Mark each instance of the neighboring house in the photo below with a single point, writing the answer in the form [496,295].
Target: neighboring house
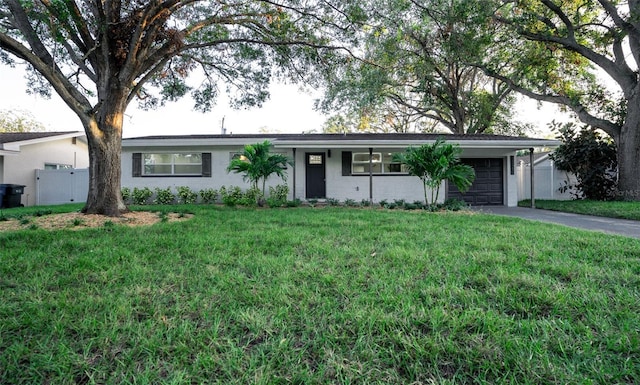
[547,178]
[22,153]
[339,166]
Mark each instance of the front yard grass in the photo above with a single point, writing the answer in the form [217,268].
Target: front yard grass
[317,296]
[611,209]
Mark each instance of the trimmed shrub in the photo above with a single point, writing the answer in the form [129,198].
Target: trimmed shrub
[453,204]
[209,195]
[278,195]
[351,203]
[140,196]
[164,196]
[232,196]
[126,194]
[294,203]
[186,195]
[252,197]
[333,202]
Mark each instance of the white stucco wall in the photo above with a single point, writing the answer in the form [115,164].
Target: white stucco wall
[356,187]
[20,168]
[219,176]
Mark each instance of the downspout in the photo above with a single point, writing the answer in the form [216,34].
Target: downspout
[533,198]
[552,180]
[294,173]
[371,175]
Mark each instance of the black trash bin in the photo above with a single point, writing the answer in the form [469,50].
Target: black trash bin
[11,195]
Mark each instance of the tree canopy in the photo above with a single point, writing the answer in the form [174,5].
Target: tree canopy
[99,56]
[416,59]
[564,50]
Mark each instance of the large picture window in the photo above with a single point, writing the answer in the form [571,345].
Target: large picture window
[381,163]
[172,164]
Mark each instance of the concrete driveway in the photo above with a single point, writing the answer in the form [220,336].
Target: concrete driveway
[622,227]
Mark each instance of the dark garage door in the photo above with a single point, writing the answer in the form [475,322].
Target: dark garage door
[488,187]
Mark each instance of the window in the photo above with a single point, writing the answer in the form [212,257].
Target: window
[55,166]
[315,159]
[172,164]
[381,163]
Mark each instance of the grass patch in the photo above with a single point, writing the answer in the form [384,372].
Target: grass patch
[611,209]
[337,295]
[38,211]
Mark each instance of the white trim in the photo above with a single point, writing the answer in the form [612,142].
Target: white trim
[482,144]
[510,144]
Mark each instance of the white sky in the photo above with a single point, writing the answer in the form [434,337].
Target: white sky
[288,111]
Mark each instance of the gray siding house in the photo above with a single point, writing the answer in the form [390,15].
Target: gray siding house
[339,166]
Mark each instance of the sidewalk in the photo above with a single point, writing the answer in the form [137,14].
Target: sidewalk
[616,226]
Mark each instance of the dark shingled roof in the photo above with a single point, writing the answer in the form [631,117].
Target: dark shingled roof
[10,137]
[338,137]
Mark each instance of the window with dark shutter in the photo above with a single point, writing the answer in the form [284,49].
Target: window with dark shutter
[206,164]
[346,163]
[136,167]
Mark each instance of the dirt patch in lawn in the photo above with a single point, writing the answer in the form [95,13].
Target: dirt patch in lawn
[78,221]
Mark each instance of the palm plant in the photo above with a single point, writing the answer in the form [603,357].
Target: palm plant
[435,163]
[257,164]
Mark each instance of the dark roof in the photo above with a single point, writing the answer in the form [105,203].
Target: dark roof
[10,137]
[338,137]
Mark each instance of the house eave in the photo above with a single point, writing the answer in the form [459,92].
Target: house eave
[333,143]
[15,146]
[466,144]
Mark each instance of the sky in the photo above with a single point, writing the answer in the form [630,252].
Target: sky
[289,110]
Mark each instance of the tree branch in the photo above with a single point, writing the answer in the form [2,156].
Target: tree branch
[579,109]
[72,97]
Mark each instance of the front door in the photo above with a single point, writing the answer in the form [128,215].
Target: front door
[315,175]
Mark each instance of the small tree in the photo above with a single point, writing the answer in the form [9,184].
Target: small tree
[591,158]
[257,164]
[435,163]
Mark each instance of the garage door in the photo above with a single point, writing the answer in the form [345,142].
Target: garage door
[487,189]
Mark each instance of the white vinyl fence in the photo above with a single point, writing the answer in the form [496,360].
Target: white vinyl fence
[55,187]
[547,183]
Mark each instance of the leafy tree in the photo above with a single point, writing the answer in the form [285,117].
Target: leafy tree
[388,118]
[19,121]
[257,164]
[435,163]
[101,55]
[563,53]
[591,158]
[416,59]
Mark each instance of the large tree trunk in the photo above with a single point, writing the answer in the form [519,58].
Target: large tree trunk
[628,144]
[104,135]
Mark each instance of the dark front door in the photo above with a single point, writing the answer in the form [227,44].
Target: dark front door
[488,187]
[316,186]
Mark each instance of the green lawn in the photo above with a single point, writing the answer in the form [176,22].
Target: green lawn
[611,209]
[320,296]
